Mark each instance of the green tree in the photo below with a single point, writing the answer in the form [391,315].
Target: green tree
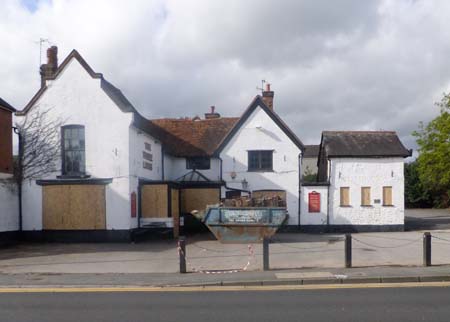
[434,153]
[416,195]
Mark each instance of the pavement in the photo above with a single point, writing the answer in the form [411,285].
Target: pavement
[294,258]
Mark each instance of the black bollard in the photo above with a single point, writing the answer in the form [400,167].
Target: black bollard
[348,250]
[266,254]
[426,249]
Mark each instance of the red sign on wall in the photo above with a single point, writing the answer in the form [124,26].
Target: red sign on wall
[314,202]
[133,204]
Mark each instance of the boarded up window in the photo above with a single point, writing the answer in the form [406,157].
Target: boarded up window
[155,201]
[387,196]
[198,198]
[345,196]
[74,207]
[365,196]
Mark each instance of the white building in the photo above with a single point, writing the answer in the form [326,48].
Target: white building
[92,195]
[120,173]
[361,183]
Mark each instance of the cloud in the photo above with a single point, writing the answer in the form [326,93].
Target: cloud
[333,65]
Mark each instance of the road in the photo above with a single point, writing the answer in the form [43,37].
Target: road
[361,304]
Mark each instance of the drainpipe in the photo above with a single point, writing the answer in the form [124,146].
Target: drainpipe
[19,180]
[300,180]
[328,194]
[162,162]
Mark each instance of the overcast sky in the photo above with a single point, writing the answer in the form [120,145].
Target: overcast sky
[334,65]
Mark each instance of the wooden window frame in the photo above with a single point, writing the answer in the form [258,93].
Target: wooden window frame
[391,204]
[363,203]
[64,150]
[342,199]
[259,168]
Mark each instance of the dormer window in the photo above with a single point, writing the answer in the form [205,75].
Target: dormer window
[73,150]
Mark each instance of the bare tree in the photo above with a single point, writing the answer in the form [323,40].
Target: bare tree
[39,149]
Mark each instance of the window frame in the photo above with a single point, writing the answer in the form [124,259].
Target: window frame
[260,168]
[190,166]
[63,151]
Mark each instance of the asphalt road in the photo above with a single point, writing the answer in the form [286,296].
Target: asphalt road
[388,304]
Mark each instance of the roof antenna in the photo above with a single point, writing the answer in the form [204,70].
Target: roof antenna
[41,42]
[263,81]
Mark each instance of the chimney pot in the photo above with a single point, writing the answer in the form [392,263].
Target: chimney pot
[212,114]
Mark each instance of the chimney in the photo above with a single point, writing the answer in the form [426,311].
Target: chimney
[212,114]
[49,69]
[267,97]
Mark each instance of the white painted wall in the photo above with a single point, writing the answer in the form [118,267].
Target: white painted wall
[260,132]
[367,172]
[137,171]
[9,209]
[314,218]
[176,167]
[78,99]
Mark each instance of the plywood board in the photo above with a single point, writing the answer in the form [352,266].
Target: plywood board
[154,201]
[74,207]
[175,204]
[365,196]
[387,196]
[198,198]
[345,196]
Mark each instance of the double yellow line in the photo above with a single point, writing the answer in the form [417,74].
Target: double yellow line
[217,288]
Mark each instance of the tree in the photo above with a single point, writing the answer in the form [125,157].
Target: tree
[39,149]
[434,153]
[309,176]
[416,195]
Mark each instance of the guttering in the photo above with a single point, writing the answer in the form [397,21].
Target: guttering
[328,192]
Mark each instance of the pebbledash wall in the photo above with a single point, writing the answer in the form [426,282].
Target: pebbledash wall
[356,173]
[77,98]
[260,132]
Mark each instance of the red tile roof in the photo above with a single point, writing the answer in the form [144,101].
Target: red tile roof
[190,137]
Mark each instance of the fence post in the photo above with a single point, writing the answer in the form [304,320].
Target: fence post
[426,249]
[348,250]
[266,254]
[182,253]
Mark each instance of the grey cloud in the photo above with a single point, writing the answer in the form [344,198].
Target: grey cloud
[333,64]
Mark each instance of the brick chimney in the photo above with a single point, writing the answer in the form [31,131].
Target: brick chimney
[212,114]
[267,97]
[49,69]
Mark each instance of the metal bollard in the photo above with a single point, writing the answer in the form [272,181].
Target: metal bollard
[348,250]
[266,254]
[426,249]
[182,253]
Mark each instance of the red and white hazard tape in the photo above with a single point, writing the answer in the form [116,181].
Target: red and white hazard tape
[251,254]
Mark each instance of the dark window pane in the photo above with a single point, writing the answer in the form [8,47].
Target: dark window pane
[201,163]
[260,160]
